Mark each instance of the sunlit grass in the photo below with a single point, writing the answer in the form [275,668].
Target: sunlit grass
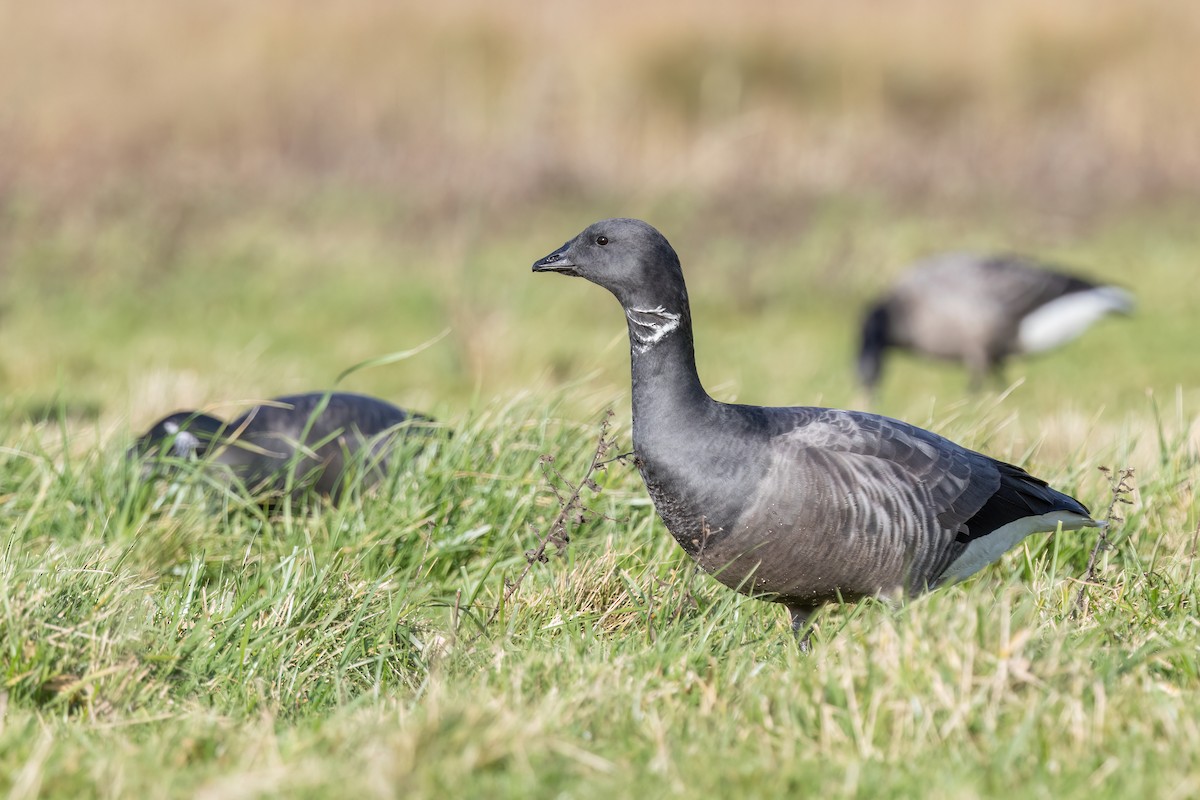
[183,642]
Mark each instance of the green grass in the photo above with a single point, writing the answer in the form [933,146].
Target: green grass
[178,642]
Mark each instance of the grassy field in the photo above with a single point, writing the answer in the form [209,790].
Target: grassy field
[310,191]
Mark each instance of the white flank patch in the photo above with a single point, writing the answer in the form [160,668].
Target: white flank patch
[989,547]
[651,331]
[1061,320]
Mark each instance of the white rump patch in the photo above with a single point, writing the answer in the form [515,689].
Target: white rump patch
[651,325]
[989,547]
[1061,320]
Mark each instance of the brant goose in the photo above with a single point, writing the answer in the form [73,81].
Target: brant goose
[317,436]
[979,310]
[802,506]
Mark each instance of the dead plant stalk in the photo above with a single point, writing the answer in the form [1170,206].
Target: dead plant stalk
[571,509]
[1121,486]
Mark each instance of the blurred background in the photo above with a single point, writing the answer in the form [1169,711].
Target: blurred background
[224,201]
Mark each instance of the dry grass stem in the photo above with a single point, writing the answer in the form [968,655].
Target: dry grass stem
[571,509]
[1121,486]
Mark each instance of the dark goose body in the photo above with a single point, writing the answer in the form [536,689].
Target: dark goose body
[979,310]
[797,505]
[322,433]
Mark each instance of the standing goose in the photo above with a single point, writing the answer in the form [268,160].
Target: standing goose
[323,434]
[802,506]
[979,310]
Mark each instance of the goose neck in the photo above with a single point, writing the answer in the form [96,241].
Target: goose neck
[663,359]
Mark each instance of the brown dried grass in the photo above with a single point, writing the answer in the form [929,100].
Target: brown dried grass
[1071,102]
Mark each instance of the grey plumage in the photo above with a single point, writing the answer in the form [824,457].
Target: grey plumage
[316,437]
[802,506]
[980,310]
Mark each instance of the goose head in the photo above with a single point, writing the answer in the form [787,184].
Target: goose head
[184,434]
[626,256]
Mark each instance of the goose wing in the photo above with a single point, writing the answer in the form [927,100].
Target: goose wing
[898,506]
[321,415]
[1024,285]
[1014,283]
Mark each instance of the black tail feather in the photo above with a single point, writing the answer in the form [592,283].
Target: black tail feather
[1020,495]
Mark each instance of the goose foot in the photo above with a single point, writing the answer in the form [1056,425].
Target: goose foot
[802,625]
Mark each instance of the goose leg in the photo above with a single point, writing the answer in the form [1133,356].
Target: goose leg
[998,378]
[802,625]
[979,365]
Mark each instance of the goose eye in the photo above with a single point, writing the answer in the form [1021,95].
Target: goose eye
[601,240]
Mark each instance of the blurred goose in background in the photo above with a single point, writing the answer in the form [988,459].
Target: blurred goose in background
[802,506]
[979,310]
[322,434]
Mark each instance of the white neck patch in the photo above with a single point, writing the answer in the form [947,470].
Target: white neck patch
[650,326]
[186,443]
